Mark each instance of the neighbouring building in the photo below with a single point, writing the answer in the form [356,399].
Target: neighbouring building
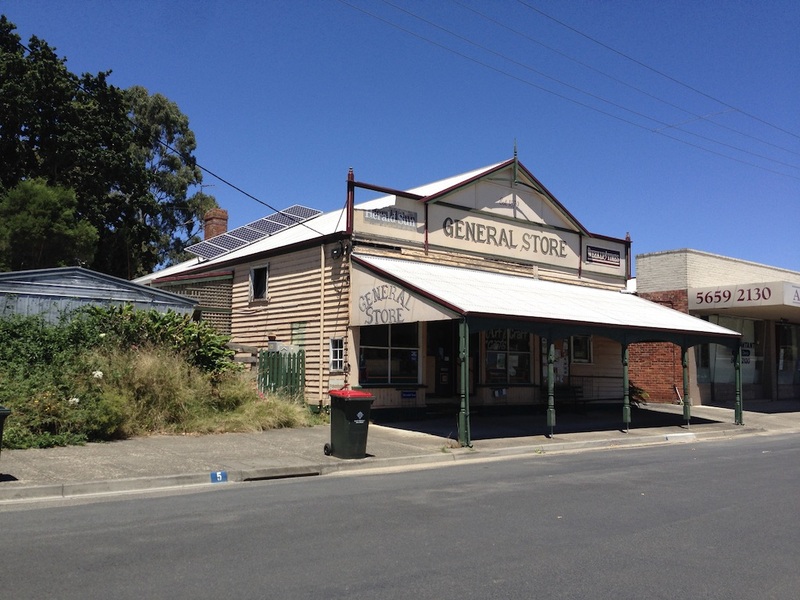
[480,290]
[759,301]
[52,293]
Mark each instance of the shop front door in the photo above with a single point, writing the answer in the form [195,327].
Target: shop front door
[442,352]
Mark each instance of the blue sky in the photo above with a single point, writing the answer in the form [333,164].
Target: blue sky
[677,121]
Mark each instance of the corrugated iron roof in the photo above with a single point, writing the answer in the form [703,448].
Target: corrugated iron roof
[316,227]
[489,294]
[55,290]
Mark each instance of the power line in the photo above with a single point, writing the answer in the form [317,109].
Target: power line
[611,77]
[572,100]
[656,71]
[664,125]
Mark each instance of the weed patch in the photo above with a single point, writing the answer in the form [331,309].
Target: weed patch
[109,374]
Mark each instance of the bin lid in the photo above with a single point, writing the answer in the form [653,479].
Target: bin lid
[351,394]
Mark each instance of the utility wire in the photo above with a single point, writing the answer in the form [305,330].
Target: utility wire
[704,118]
[664,125]
[567,98]
[656,71]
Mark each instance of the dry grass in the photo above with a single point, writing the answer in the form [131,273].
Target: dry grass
[164,395]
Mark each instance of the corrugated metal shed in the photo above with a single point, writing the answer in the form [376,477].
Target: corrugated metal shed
[53,292]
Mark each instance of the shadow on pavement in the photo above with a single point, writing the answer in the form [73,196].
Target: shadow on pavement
[488,424]
[769,407]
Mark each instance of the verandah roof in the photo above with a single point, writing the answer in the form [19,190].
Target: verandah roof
[488,299]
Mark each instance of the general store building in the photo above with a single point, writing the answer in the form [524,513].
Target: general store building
[481,290]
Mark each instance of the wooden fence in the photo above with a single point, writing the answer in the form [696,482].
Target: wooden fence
[282,372]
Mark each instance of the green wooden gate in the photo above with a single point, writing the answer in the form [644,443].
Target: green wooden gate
[282,372]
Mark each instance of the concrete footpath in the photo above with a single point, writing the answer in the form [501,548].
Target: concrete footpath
[159,462]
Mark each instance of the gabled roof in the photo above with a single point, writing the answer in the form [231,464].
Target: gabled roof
[58,289]
[315,228]
[439,190]
[430,190]
[335,221]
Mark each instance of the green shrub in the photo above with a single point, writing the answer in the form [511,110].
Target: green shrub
[56,407]
[124,327]
[108,373]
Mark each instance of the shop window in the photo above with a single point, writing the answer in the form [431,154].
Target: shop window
[389,354]
[259,277]
[337,355]
[581,349]
[702,354]
[508,356]
[788,354]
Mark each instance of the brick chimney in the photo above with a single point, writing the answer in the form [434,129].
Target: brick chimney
[215,222]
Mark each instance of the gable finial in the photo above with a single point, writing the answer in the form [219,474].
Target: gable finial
[516,162]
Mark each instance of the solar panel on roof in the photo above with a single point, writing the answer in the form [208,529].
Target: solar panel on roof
[204,250]
[246,233]
[268,227]
[281,219]
[252,232]
[301,212]
[227,241]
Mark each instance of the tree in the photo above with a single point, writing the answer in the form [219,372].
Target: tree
[39,228]
[127,156]
[163,145]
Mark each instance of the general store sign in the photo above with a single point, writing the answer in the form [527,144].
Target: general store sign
[481,233]
[478,233]
[380,302]
[475,233]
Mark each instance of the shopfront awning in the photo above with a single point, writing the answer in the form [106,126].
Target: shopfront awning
[490,299]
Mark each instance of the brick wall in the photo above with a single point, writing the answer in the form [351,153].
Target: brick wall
[658,367]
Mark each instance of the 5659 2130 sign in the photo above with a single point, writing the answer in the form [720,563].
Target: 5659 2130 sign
[736,295]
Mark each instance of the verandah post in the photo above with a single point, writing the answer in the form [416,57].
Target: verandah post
[464,435]
[551,386]
[738,412]
[626,393]
[687,401]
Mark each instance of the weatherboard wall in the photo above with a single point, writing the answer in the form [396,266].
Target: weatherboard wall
[306,306]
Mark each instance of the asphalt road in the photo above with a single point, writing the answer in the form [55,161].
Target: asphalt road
[704,520]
